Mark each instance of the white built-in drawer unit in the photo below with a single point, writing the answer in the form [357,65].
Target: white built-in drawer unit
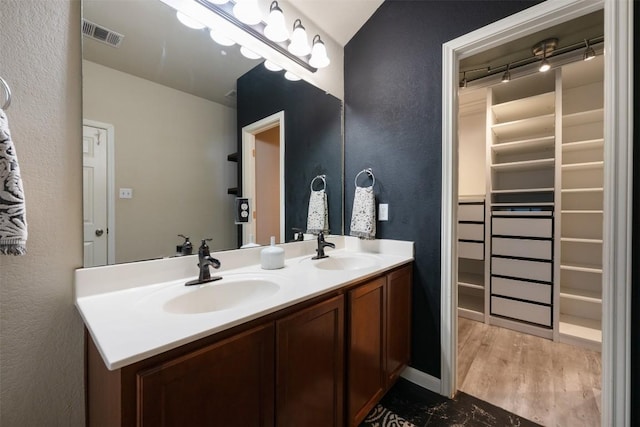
[531,291]
[524,248]
[529,312]
[471,212]
[471,250]
[525,269]
[522,227]
[471,232]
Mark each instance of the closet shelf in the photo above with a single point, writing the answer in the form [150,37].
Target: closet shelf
[583,117]
[581,240]
[583,145]
[508,205]
[539,126]
[584,268]
[524,165]
[524,190]
[471,280]
[471,303]
[581,295]
[581,212]
[582,166]
[580,327]
[583,190]
[528,144]
[531,106]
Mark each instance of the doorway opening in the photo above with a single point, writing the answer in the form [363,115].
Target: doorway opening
[616,177]
[263,149]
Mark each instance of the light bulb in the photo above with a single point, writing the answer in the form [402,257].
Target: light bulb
[299,45]
[248,53]
[506,77]
[271,66]
[221,39]
[276,29]
[544,65]
[188,21]
[319,58]
[290,76]
[247,11]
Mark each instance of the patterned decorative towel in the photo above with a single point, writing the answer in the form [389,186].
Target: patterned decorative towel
[363,217]
[318,217]
[13,222]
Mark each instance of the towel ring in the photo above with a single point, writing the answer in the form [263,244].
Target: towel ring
[368,171]
[7,91]
[324,182]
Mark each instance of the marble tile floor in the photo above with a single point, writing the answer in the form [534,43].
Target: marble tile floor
[408,405]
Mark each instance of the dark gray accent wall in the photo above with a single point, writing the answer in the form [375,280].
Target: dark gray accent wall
[393,79]
[313,139]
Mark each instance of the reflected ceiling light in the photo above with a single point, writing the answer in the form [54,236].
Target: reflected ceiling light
[544,49]
[319,58]
[290,76]
[589,53]
[247,11]
[248,53]
[271,66]
[188,21]
[299,44]
[276,29]
[218,1]
[217,36]
[506,77]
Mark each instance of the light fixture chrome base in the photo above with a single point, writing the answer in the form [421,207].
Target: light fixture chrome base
[544,47]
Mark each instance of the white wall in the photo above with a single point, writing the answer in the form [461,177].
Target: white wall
[471,143]
[171,148]
[41,334]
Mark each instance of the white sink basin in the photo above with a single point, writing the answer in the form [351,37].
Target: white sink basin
[230,292]
[345,262]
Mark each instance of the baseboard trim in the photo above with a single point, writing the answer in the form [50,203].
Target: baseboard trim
[422,379]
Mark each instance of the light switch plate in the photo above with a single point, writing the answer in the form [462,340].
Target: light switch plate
[383,212]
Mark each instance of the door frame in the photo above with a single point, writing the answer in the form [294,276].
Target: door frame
[111,194]
[618,122]
[249,133]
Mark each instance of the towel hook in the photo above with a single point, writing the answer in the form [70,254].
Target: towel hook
[7,91]
[324,181]
[368,171]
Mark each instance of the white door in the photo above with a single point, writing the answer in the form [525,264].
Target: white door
[94,184]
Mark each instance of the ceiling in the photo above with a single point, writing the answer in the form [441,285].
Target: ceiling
[158,48]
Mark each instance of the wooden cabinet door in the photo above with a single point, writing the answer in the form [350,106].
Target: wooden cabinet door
[229,383]
[365,370]
[398,331]
[310,366]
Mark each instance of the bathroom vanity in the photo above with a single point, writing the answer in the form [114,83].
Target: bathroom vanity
[320,350]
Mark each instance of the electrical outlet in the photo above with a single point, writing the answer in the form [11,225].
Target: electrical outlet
[383,212]
[126,193]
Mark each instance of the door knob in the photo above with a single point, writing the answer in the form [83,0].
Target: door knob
[99,232]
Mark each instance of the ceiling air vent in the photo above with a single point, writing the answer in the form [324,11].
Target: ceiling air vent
[101,34]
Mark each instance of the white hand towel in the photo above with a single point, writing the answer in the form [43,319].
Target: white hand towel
[318,216]
[363,217]
[13,223]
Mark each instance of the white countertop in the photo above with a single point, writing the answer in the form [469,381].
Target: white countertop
[122,305]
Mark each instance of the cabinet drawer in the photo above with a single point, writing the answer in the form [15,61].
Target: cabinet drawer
[471,250]
[534,313]
[526,227]
[523,290]
[526,248]
[534,270]
[470,212]
[471,232]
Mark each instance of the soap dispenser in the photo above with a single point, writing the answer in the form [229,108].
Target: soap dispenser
[272,257]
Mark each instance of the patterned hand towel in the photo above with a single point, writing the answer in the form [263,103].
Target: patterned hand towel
[318,216]
[363,217]
[13,224]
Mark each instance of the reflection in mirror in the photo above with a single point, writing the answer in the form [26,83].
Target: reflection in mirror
[161,120]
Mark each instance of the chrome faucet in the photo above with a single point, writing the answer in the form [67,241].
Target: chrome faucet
[205,260]
[321,245]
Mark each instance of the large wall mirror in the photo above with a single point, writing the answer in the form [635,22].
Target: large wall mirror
[163,115]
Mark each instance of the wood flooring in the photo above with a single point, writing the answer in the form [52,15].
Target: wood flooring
[550,383]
